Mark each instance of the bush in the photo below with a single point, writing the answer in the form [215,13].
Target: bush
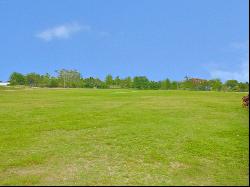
[245,101]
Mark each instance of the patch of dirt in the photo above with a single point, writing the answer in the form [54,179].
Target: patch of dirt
[178,165]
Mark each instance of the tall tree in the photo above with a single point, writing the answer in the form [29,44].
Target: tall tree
[165,84]
[69,78]
[175,85]
[215,84]
[92,82]
[117,81]
[231,85]
[243,87]
[53,82]
[140,82]
[17,79]
[33,79]
[45,79]
[109,80]
[154,85]
[126,83]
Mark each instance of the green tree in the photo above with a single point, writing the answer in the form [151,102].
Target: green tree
[117,81]
[93,83]
[45,79]
[154,85]
[174,85]
[126,83]
[187,85]
[141,82]
[231,85]
[69,78]
[17,79]
[243,87]
[165,84]
[33,79]
[215,84]
[89,82]
[53,82]
[109,81]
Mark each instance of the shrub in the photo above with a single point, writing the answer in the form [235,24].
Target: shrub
[245,101]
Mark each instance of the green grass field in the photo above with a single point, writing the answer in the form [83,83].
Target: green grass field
[122,137]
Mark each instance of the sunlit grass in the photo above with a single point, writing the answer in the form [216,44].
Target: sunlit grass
[122,137]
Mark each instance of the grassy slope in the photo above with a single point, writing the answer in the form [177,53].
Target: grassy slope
[122,137]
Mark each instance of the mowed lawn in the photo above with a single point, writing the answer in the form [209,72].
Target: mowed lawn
[122,137]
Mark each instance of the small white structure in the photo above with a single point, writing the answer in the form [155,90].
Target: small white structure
[4,83]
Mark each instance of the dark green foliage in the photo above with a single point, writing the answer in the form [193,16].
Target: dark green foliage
[33,79]
[53,82]
[215,84]
[117,81]
[165,84]
[73,79]
[243,86]
[232,85]
[93,83]
[126,83]
[17,79]
[141,82]
[174,85]
[109,81]
[154,85]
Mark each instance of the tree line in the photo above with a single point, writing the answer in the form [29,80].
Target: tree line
[73,79]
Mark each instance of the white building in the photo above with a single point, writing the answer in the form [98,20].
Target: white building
[4,83]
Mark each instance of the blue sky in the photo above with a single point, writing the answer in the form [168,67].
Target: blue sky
[157,38]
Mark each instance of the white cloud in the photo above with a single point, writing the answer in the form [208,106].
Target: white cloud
[242,72]
[62,31]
